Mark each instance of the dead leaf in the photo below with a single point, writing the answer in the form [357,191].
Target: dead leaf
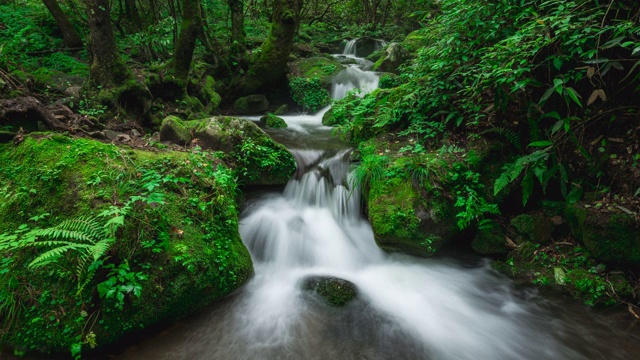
[177,232]
[591,71]
[599,93]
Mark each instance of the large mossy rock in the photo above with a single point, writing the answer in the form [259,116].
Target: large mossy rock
[611,237]
[392,58]
[321,68]
[415,40]
[252,104]
[176,249]
[258,159]
[406,220]
[335,291]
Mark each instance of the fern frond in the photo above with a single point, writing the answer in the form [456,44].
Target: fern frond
[53,254]
[511,136]
[63,234]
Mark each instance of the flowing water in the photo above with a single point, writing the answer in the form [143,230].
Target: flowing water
[406,308]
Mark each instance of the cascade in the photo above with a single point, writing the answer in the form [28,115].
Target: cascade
[406,308]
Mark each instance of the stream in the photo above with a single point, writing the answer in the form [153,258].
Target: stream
[449,307]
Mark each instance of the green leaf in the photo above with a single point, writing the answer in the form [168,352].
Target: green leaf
[547,95]
[557,84]
[543,143]
[560,276]
[574,95]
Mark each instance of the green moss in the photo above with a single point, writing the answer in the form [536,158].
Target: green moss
[321,68]
[209,91]
[393,219]
[415,40]
[185,241]
[272,121]
[610,237]
[592,289]
[175,130]
[336,292]
[490,241]
[535,228]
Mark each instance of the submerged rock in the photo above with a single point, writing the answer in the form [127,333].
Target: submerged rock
[258,159]
[335,291]
[176,248]
[252,104]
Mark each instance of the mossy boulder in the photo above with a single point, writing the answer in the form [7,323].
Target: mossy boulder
[535,228]
[252,104]
[317,67]
[392,58]
[272,121]
[415,40]
[55,80]
[406,220]
[611,237]
[173,247]
[257,159]
[335,291]
[328,119]
[490,240]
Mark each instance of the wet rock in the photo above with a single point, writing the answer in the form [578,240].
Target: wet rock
[611,237]
[365,46]
[73,92]
[252,104]
[273,121]
[409,221]
[392,58]
[335,291]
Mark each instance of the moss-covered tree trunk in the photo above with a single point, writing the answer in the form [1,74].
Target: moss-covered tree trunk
[238,36]
[180,65]
[269,62]
[69,34]
[115,82]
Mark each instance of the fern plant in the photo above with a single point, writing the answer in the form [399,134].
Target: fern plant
[88,236]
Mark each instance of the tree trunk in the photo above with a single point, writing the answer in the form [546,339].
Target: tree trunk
[183,55]
[69,34]
[236,9]
[108,73]
[269,63]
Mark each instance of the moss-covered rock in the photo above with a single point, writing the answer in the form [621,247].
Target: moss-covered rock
[327,118]
[281,110]
[252,104]
[365,46]
[209,92]
[535,228]
[169,221]
[272,121]
[321,68]
[610,237]
[405,220]
[335,291]
[415,40]
[257,159]
[174,130]
[392,58]
[490,240]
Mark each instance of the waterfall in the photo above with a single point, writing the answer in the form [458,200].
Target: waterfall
[406,308]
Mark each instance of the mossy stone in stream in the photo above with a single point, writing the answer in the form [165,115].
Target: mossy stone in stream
[335,291]
[403,220]
[272,121]
[257,159]
[177,249]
